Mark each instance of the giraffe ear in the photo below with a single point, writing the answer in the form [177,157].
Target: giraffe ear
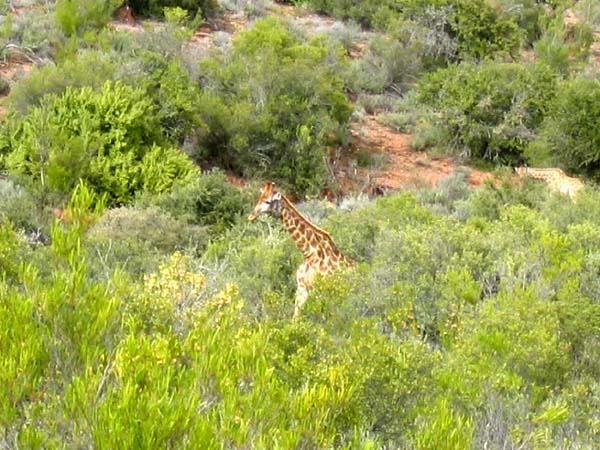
[276,196]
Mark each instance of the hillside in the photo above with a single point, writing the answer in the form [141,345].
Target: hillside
[452,303]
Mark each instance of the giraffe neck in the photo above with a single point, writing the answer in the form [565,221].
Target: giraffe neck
[311,240]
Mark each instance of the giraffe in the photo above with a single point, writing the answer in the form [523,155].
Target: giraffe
[321,255]
[556,180]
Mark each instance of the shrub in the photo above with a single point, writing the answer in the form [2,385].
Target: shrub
[137,240]
[110,138]
[272,104]
[554,52]
[77,16]
[25,355]
[176,95]
[530,15]
[148,227]
[4,85]
[345,34]
[429,34]
[482,31]
[19,207]
[504,332]
[34,35]
[10,249]
[488,201]
[490,110]
[364,13]
[450,191]
[562,46]
[54,79]
[385,63]
[570,134]
[157,7]
[205,199]
[447,334]
[479,28]
[261,259]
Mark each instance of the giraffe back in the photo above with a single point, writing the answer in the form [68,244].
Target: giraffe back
[555,178]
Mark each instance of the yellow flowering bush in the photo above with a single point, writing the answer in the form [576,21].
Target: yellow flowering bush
[168,296]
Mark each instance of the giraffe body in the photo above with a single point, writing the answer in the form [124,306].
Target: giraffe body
[321,255]
[556,180]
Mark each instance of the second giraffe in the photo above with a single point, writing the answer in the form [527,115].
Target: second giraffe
[321,255]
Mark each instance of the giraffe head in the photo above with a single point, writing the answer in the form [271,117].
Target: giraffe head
[521,170]
[268,202]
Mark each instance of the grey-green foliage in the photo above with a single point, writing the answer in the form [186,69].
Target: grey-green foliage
[489,110]
[31,36]
[76,17]
[385,63]
[570,135]
[137,239]
[19,207]
[473,29]
[54,79]
[469,287]
[206,199]
[259,257]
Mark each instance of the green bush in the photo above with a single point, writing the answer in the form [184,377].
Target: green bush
[34,35]
[54,79]
[137,240]
[150,227]
[261,259]
[77,16]
[206,199]
[570,134]
[503,331]
[156,68]
[25,355]
[110,138]
[482,31]
[272,104]
[366,13]
[554,52]
[157,7]
[11,249]
[478,27]
[176,95]
[530,15]
[19,207]
[564,46]
[490,110]
[489,201]
[4,85]
[385,63]
[429,35]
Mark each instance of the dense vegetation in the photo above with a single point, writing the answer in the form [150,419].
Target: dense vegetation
[138,307]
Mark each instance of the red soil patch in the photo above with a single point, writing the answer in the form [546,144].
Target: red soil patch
[403,166]
[15,69]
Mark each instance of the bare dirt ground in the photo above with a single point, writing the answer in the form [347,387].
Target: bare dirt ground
[13,70]
[401,165]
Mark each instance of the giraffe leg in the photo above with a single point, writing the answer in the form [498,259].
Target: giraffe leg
[301,296]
